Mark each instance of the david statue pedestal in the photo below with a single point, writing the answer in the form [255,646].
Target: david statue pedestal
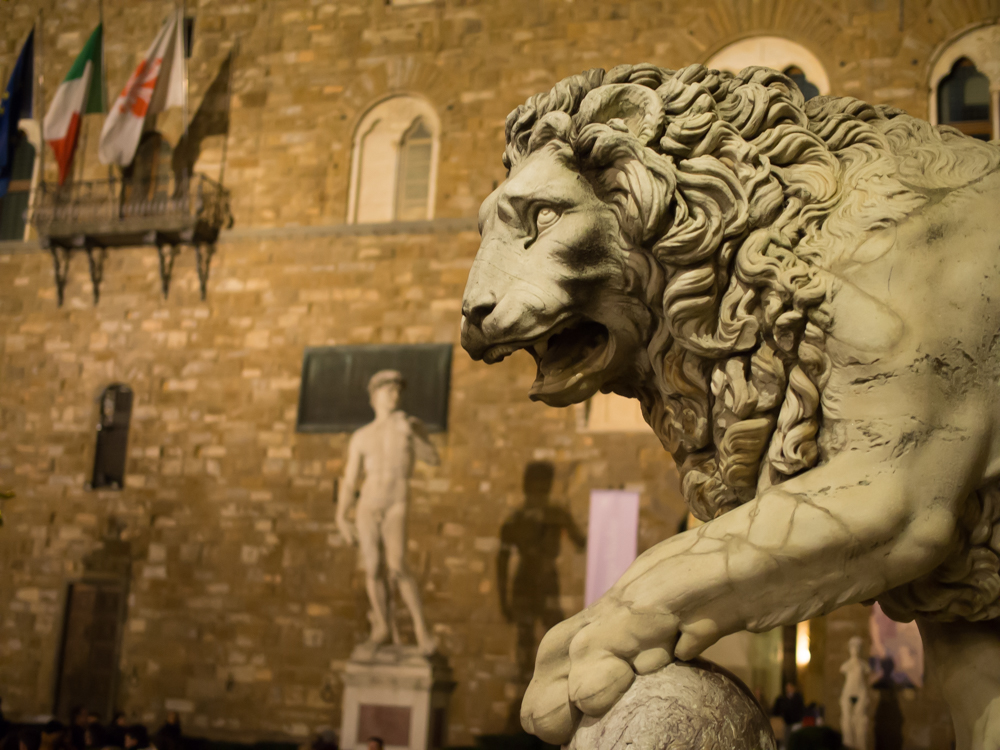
[393,691]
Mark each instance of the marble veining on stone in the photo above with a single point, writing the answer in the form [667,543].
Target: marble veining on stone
[684,706]
[803,298]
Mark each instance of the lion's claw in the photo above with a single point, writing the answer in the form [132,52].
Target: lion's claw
[547,713]
[587,663]
[598,681]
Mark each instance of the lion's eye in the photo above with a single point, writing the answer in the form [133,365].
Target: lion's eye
[546,218]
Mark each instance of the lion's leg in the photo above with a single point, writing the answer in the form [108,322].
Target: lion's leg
[844,532]
[964,657]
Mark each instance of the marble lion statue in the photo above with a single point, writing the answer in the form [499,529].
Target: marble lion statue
[805,299]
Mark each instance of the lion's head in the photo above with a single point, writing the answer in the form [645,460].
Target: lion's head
[668,235]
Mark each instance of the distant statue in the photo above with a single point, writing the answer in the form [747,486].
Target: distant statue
[855,698]
[384,451]
[534,532]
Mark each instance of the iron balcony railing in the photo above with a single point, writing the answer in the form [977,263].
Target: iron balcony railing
[165,212]
[106,209]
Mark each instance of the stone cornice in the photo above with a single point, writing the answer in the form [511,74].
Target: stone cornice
[251,234]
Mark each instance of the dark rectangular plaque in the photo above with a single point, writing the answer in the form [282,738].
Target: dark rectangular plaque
[389,723]
[334,392]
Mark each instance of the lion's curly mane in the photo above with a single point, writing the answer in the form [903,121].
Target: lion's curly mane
[734,196]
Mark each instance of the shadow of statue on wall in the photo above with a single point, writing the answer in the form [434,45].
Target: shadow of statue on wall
[888,720]
[530,597]
[211,118]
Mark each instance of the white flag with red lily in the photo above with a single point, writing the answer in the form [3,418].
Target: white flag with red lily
[156,84]
[79,93]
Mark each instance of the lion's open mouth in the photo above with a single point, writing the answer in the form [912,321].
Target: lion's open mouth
[568,357]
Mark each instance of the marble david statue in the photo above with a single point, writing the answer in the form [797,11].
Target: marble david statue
[805,299]
[380,459]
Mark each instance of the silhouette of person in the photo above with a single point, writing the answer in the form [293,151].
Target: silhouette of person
[534,531]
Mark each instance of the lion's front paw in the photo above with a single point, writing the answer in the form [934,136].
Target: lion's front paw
[546,711]
[586,664]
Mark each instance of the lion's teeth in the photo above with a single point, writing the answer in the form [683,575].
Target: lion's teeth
[541,347]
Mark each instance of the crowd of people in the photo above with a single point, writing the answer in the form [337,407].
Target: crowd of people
[87,732]
[803,725]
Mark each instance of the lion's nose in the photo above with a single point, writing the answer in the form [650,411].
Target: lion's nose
[475,311]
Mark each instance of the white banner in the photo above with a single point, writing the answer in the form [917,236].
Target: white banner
[612,539]
[156,84]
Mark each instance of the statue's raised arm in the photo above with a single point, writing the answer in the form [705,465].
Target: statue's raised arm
[423,448]
[803,298]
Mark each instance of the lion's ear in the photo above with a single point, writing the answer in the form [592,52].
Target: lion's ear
[635,107]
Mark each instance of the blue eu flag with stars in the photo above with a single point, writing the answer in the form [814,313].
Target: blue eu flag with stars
[15,105]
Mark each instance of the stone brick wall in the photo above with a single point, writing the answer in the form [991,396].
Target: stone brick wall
[243,600]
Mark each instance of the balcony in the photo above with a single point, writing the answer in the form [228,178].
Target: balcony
[164,212]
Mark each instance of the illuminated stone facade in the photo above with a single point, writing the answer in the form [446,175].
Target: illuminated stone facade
[243,600]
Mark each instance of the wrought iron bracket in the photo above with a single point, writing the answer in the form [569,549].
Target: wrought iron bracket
[167,254]
[95,259]
[60,263]
[203,255]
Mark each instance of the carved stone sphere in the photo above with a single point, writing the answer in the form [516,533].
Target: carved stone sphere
[684,706]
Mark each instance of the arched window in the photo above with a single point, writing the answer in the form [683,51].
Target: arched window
[964,83]
[15,204]
[794,60]
[964,100]
[115,405]
[394,163]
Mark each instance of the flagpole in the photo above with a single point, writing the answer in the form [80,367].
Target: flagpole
[104,84]
[184,111]
[229,110]
[85,127]
[40,101]
[104,72]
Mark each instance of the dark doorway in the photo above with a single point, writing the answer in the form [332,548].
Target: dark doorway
[112,437]
[88,663]
[14,205]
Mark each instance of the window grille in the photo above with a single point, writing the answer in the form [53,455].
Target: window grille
[964,100]
[414,180]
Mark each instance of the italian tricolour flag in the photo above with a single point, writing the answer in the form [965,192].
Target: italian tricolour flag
[79,94]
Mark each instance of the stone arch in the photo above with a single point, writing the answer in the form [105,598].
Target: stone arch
[773,52]
[394,156]
[979,45]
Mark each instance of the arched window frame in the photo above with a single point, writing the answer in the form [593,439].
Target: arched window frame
[772,52]
[980,45]
[401,111]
